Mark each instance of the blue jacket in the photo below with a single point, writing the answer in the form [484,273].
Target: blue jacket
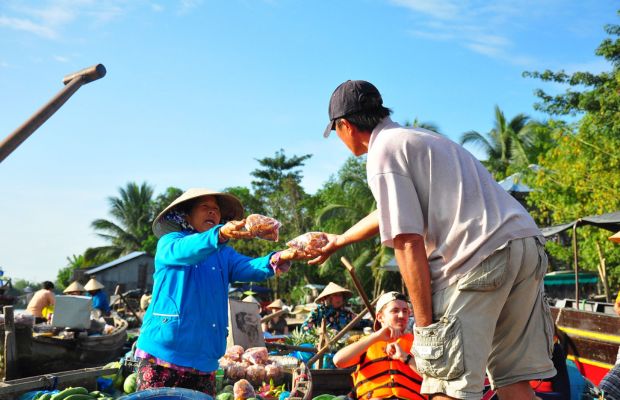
[100,301]
[187,321]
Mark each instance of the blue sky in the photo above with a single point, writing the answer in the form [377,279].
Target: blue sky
[196,91]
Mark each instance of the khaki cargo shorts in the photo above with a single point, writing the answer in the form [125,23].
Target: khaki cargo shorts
[495,318]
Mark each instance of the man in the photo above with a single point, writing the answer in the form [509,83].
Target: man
[42,298]
[471,257]
[331,308]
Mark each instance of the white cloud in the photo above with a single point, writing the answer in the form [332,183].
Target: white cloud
[478,25]
[4,64]
[157,7]
[61,59]
[27,25]
[188,5]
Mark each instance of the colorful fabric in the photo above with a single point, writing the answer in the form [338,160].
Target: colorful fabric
[151,375]
[154,360]
[178,218]
[334,318]
[187,321]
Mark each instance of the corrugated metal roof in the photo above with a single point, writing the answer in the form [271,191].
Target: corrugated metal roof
[116,262]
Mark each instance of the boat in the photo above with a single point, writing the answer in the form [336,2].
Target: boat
[589,338]
[40,353]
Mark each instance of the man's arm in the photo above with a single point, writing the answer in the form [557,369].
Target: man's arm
[364,229]
[411,257]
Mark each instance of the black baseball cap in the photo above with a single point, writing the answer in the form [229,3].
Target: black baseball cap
[351,97]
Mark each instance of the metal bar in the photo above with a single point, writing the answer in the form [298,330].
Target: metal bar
[76,80]
[359,287]
[576,262]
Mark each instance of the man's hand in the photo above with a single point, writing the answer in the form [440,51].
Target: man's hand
[395,352]
[234,230]
[334,244]
[388,334]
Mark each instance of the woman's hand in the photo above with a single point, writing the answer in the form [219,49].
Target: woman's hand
[292,254]
[234,230]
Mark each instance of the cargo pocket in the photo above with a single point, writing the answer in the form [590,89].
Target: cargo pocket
[438,349]
[547,323]
[489,275]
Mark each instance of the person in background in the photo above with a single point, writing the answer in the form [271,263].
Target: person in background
[184,330]
[74,289]
[43,298]
[145,300]
[276,325]
[385,366]
[100,298]
[331,308]
[471,256]
[616,239]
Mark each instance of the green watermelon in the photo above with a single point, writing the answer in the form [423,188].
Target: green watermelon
[130,383]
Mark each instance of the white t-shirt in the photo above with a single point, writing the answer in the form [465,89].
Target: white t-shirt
[426,184]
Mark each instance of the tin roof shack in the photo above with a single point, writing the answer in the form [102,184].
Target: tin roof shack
[133,271]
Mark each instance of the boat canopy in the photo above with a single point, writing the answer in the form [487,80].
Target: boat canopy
[610,222]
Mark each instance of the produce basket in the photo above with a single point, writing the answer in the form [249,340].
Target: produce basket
[302,383]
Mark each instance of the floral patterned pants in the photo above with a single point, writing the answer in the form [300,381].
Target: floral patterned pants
[151,375]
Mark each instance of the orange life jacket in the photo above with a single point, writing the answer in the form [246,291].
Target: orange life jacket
[382,377]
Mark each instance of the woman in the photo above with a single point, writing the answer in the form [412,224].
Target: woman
[74,289]
[277,324]
[184,330]
[100,299]
[331,308]
[385,366]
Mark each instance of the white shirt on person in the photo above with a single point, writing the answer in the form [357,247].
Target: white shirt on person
[426,184]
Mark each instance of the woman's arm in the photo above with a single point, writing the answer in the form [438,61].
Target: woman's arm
[178,248]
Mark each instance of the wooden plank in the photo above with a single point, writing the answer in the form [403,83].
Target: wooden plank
[61,379]
[586,320]
[10,349]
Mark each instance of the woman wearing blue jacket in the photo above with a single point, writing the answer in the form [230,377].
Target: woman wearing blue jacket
[185,327]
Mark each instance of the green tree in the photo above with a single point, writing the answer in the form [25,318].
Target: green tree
[580,175]
[346,198]
[65,275]
[130,226]
[431,126]
[505,145]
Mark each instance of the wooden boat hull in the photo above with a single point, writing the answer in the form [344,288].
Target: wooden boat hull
[590,339]
[40,354]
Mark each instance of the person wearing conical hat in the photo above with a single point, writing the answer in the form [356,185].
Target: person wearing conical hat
[277,324]
[74,289]
[332,308]
[99,297]
[184,330]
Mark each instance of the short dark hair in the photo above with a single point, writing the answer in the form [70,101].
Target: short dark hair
[366,120]
[48,285]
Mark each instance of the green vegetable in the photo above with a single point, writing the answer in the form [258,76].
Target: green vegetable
[114,364]
[79,397]
[130,384]
[68,392]
[224,396]
[228,389]
[45,396]
[324,397]
[97,394]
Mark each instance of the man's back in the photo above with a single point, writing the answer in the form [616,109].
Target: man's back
[426,184]
[40,299]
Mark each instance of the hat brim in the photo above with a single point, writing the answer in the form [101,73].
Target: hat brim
[376,325]
[329,128]
[615,237]
[231,209]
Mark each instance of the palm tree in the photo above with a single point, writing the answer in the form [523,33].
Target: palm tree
[132,214]
[431,126]
[506,144]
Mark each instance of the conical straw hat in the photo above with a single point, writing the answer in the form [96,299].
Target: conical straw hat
[332,288]
[93,284]
[251,299]
[75,286]
[230,209]
[615,237]
[276,304]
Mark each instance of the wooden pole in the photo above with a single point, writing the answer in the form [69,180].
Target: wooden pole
[359,287]
[602,271]
[340,334]
[118,292]
[269,317]
[10,349]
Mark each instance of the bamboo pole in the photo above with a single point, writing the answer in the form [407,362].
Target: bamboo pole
[359,287]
